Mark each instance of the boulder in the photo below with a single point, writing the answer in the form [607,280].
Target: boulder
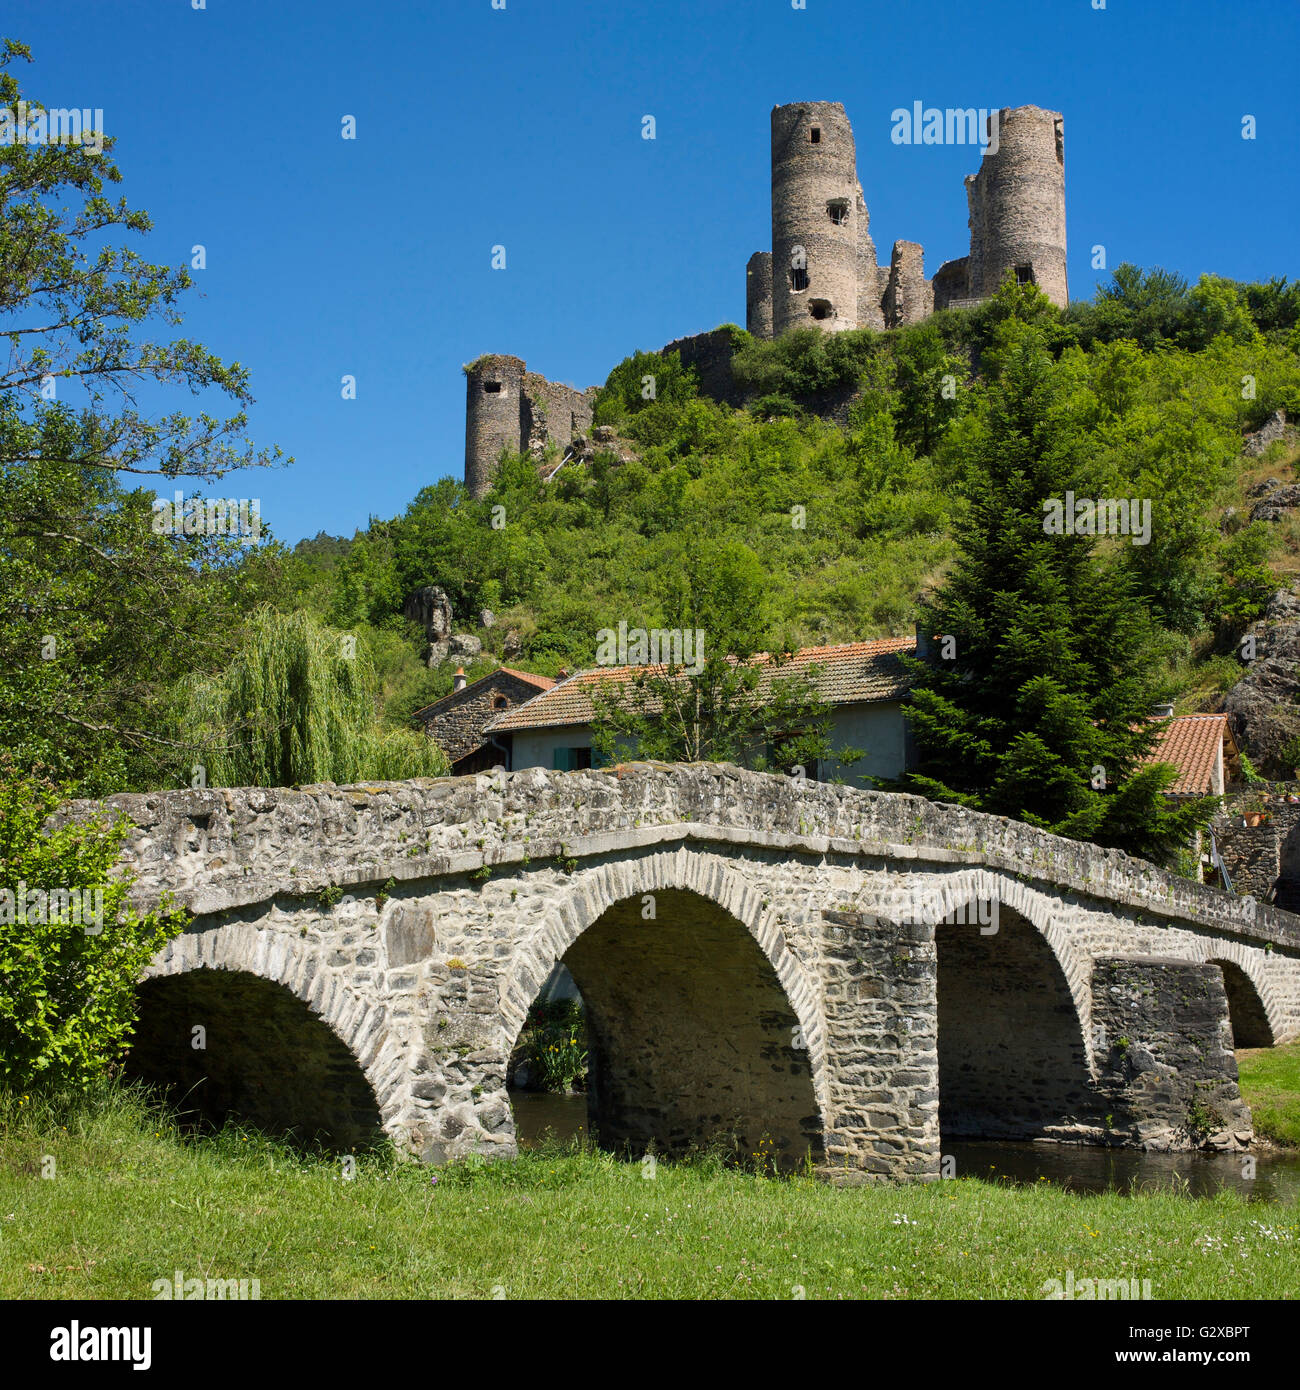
[464,644]
[487,617]
[431,608]
[1274,505]
[1262,707]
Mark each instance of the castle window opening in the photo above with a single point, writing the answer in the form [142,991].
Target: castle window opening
[821,309]
[1025,275]
[839,211]
[798,279]
[493,388]
[815,135]
[1059,126]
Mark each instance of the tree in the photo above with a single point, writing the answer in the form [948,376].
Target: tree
[296,705]
[1037,703]
[731,703]
[99,613]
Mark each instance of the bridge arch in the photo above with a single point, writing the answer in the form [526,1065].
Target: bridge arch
[1255,1013]
[712,973]
[940,899]
[1013,1004]
[273,1017]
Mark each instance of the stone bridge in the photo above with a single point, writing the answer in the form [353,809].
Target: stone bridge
[854,975]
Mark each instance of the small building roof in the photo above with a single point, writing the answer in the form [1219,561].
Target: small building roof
[541,682]
[850,673]
[1192,743]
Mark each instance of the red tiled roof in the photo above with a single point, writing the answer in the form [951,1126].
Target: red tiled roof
[541,682]
[853,672]
[1191,742]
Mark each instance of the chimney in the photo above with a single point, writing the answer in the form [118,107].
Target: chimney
[924,646]
[1163,711]
[459,682]
[564,674]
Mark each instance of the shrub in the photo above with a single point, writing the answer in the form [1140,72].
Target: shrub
[72,951]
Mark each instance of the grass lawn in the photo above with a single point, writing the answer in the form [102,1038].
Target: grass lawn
[131,1202]
[1270,1085]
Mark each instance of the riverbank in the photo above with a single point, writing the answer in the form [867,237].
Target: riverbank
[1270,1085]
[131,1201]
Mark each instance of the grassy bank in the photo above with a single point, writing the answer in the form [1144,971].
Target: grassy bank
[131,1202]
[1270,1085]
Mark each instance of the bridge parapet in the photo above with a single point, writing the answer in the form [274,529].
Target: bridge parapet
[219,849]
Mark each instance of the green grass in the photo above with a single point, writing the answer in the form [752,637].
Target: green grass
[131,1202]
[1270,1085]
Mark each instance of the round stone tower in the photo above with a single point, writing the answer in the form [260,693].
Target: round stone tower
[493,416]
[758,294]
[814,218]
[1017,204]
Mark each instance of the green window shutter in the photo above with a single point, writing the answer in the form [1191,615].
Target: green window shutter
[562,760]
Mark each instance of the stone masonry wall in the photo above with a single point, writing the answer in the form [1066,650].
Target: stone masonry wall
[457,725]
[461,894]
[1167,1065]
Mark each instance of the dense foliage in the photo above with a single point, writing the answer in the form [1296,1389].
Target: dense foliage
[71,946]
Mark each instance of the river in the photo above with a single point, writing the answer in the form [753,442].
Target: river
[1076,1167]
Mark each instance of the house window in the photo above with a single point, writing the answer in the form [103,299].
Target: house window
[821,309]
[492,388]
[570,759]
[838,209]
[500,702]
[798,278]
[1024,275]
[815,135]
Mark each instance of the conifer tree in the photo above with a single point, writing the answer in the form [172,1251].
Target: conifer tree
[1036,700]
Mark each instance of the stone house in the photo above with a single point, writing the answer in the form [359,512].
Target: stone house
[1201,747]
[457,722]
[863,682]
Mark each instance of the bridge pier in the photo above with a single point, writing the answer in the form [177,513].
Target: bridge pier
[1166,1072]
[881,1012]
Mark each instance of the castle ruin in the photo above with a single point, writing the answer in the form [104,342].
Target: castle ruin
[822,271]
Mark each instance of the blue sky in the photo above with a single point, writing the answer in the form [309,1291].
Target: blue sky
[522,127]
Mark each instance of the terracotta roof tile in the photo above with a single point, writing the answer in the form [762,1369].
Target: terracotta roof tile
[850,673]
[1191,742]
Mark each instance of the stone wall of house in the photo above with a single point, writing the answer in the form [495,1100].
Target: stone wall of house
[456,723]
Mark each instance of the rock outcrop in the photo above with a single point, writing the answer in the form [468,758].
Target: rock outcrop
[1273,429]
[1262,707]
[431,609]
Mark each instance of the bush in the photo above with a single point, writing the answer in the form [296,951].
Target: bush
[72,951]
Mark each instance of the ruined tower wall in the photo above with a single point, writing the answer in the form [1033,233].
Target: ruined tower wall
[509,407]
[814,169]
[870,313]
[758,294]
[553,413]
[1017,204]
[909,296]
[494,387]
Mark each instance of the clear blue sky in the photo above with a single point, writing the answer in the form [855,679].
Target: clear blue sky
[522,127]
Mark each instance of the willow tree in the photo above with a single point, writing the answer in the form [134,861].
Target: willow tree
[298,704]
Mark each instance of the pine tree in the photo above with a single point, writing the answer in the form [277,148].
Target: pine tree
[1036,701]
